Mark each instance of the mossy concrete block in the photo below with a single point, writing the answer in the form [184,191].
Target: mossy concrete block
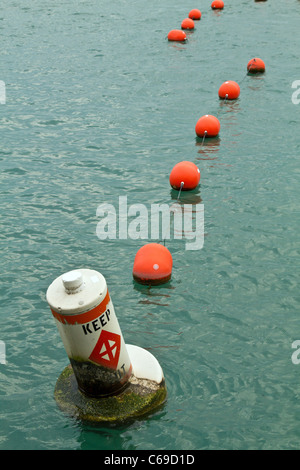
[139,398]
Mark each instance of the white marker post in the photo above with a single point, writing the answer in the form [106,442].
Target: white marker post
[86,319]
[107,381]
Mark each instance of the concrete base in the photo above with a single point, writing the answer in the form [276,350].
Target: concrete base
[143,394]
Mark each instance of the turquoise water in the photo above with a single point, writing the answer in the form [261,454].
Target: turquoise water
[100,105]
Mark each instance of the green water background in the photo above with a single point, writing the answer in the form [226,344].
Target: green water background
[100,105]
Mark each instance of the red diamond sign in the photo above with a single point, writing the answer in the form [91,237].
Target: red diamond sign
[107,350]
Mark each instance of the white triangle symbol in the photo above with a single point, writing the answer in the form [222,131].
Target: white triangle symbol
[106,357]
[113,347]
[103,349]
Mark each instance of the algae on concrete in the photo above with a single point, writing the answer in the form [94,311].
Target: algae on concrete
[139,398]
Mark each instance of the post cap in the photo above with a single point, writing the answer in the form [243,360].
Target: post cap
[72,281]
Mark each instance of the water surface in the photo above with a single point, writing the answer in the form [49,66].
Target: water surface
[100,105]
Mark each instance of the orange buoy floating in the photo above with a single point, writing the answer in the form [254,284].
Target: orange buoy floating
[195,14]
[187,23]
[187,173]
[217,5]
[152,264]
[229,90]
[256,65]
[176,35]
[208,126]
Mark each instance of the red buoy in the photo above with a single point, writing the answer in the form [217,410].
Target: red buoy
[256,65]
[217,5]
[208,126]
[187,23]
[229,90]
[187,173]
[152,264]
[195,14]
[176,35]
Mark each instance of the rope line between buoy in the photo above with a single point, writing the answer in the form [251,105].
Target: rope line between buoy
[178,197]
[205,133]
[181,186]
